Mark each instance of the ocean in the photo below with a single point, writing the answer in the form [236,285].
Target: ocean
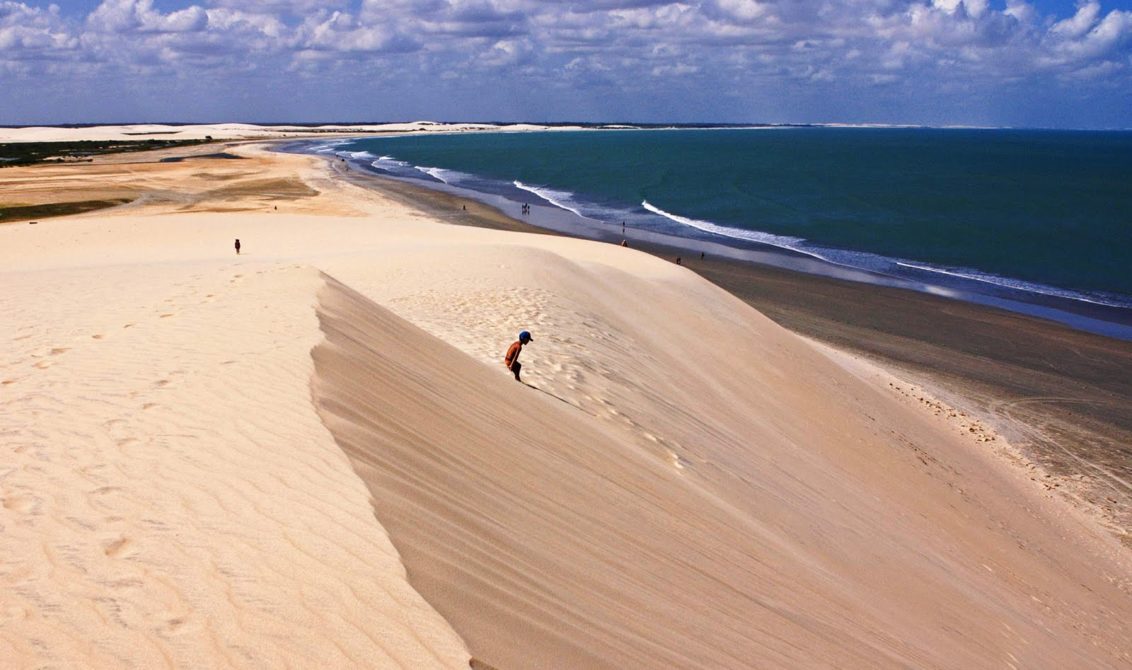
[1032,220]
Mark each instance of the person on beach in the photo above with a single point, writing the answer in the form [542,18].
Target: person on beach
[511,360]
[237,246]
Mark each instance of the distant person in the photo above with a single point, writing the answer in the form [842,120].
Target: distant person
[701,255]
[237,246]
[678,260]
[511,360]
[624,243]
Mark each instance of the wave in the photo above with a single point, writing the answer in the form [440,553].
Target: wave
[874,262]
[451,177]
[795,244]
[560,199]
[328,146]
[1015,284]
[436,173]
[388,163]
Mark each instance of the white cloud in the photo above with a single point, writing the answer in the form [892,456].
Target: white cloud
[276,7]
[1079,24]
[728,45]
[31,33]
[123,16]
[743,10]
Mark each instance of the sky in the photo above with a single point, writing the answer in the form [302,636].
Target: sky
[1018,63]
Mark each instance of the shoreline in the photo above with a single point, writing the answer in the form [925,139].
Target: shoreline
[1060,395]
[1099,312]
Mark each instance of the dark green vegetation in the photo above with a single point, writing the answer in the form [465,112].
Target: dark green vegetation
[28,153]
[30,212]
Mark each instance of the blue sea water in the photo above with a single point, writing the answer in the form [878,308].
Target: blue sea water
[1030,215]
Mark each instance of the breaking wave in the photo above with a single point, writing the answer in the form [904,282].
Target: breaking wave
[795,244]
[561,199]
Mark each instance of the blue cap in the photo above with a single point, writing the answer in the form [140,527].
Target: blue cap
[525,336]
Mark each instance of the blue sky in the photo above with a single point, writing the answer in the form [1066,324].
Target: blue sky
[1038,63]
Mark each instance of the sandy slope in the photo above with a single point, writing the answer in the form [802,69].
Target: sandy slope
[689,485]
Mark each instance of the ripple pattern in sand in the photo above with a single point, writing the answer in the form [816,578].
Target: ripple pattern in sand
[168,497]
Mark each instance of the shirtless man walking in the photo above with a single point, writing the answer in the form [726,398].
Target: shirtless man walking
[511,360]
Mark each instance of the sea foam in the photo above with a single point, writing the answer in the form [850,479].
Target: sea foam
[1016,284]
[795,244]
[561,199]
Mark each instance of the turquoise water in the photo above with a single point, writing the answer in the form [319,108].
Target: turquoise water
[1047,212]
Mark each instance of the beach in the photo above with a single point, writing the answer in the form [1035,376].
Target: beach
[310,453]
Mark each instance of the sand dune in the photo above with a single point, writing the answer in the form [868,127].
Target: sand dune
[311,454]
[241,131]
[639,509]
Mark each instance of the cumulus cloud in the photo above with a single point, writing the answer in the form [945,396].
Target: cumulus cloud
[792,47]
[123,16]
[28,33]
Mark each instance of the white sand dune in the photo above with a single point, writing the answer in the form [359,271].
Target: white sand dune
[311,454]
[241,131]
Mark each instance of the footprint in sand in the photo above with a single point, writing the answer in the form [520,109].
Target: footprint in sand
[174,625]
[43,365]
[97,336]
[59,350]
[676,461]
[22,504]
[128,325]
[161,383]
[91,471]
[166,315]
[120,548]
[7,382]
[149,405]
